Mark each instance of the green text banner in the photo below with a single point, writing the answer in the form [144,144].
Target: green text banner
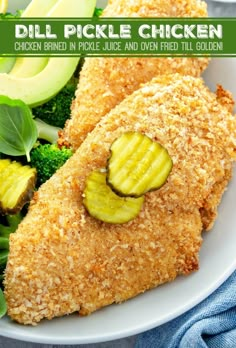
[155,37]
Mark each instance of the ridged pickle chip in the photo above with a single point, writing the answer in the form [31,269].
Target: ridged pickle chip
[103,204]
[137,165]
[17,184]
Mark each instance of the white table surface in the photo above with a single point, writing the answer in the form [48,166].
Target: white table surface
[215,9]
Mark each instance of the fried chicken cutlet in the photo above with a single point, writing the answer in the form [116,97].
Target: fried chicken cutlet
[107,263]
[105,82]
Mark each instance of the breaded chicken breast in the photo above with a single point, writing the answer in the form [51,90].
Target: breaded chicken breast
[105,82]
[63,260]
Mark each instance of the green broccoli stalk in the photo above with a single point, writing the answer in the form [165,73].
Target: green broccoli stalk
[57,110]
[47,159]
[46,131]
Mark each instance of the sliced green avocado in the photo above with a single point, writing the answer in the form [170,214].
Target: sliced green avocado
[26,66]
[6,63]
[37,89]
[38,8]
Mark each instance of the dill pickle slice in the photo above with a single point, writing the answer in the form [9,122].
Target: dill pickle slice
[137,165]
[4,163]
[17,184]
[103,204]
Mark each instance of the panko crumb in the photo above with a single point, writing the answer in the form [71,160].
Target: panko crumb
[225,98]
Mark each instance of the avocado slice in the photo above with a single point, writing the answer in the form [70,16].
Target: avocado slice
[6,64]
[25,66]
[38,89]
[38,8]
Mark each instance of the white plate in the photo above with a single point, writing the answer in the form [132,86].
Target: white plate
[155,307]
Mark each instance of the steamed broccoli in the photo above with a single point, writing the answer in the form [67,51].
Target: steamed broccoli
[46,131]
[11,15]
[57,110]
[98,12]
[47,159]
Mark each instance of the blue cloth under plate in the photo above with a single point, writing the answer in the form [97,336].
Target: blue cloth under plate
[212,323]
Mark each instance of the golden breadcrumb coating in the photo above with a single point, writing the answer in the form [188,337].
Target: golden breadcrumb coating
[105,82]
[209,208]
[62,260]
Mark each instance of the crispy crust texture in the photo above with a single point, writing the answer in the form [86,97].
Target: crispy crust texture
[62,260]
[209,208]
[105,82]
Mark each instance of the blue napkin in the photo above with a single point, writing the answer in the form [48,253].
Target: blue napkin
[212,323]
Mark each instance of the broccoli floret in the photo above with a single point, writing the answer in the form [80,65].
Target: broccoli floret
[98,12]
[47,158]
[11,15]
[57,110]
[46,131]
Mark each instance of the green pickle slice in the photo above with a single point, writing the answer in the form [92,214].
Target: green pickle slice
[103,204]
[17,184]
[137,165]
